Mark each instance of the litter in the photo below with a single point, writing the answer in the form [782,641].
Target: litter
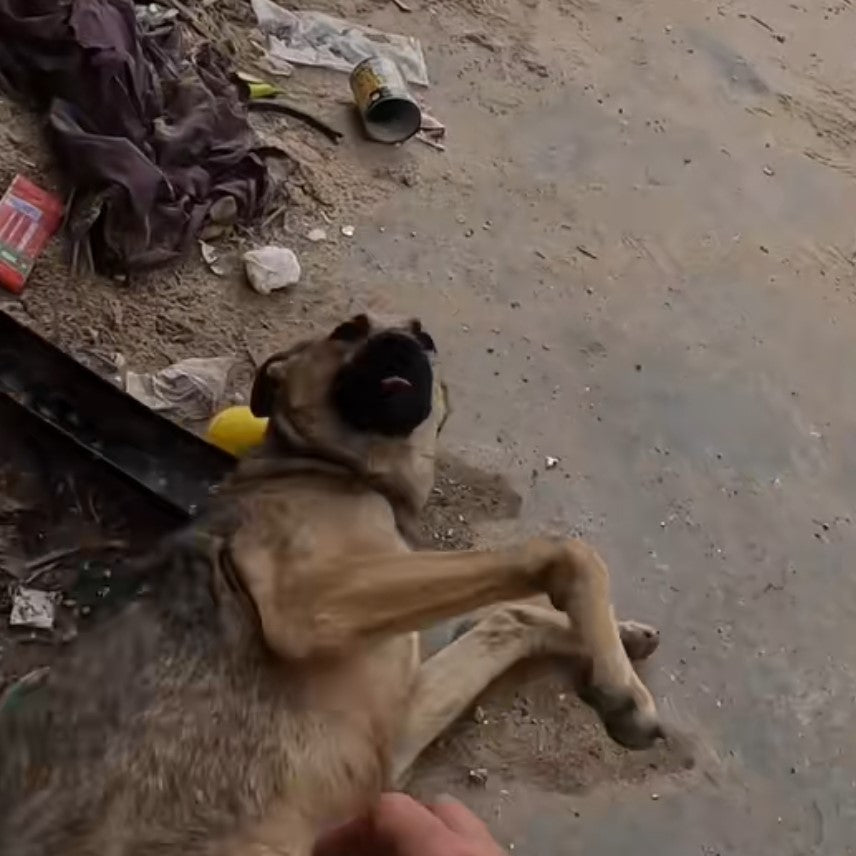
[28,218]
[190,389]
[316,39]
[389,112]
[211,257]
[148,137]
[14,692]
[271,268]
[477,776]
[152,15]
[33,608]
[432,131]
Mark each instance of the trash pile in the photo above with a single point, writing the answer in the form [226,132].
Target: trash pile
[148,137]
[149,124]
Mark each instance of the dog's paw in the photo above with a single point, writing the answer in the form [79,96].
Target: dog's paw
[628,714]
[640,641]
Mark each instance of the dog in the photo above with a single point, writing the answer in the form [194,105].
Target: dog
[270,685]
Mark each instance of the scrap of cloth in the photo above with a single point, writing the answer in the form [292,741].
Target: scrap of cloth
[148,138]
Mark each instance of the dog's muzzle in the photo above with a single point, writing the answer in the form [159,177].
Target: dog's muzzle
[387,388]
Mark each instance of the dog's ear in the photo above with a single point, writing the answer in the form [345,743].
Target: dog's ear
[422,336]
[268,378]
[353,330]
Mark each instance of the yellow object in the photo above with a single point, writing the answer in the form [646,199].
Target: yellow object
[236,430]
[263,90]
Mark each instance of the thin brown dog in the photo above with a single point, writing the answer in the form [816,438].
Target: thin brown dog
[270,683]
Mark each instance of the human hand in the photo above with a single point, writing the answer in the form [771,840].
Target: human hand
[400,826]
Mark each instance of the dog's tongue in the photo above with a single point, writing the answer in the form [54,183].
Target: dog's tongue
[394,383]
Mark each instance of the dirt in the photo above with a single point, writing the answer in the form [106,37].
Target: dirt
[637,258]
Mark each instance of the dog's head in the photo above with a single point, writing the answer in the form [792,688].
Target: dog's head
[366,395]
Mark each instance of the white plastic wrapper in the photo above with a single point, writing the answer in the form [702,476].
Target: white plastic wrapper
[317,39]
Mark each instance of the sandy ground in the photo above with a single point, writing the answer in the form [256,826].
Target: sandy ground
[637,256]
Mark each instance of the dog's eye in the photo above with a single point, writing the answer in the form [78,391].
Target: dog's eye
[352,331]
[426,341]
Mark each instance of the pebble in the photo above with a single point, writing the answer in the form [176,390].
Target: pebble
[316,235]
[768,170]
[477,777]
[551,463]
[348,231]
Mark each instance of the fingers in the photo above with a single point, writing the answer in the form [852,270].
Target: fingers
[408,828]
[400,826]
[351,839]
[457,817]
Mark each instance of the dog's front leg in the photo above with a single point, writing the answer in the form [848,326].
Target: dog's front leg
[317,609]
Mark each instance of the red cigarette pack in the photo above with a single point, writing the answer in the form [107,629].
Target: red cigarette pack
[28,218]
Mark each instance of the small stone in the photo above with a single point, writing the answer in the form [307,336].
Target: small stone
[477,777]
[348,231]
[479,715]
[768,170]
[551,463]
[655,796]
[316,235]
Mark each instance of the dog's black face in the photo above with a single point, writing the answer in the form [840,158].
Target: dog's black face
[387,386]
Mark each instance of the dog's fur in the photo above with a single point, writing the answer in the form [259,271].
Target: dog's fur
[270,685]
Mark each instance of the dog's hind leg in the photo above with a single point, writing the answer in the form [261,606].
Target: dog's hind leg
[449,682]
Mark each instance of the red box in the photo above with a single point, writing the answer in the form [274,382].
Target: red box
[28,218]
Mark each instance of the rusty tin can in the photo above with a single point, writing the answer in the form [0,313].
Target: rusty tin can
[389,112]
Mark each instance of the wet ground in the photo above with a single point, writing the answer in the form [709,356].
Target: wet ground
[637,256]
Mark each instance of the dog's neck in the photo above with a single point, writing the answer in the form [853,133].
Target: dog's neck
[399,472]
